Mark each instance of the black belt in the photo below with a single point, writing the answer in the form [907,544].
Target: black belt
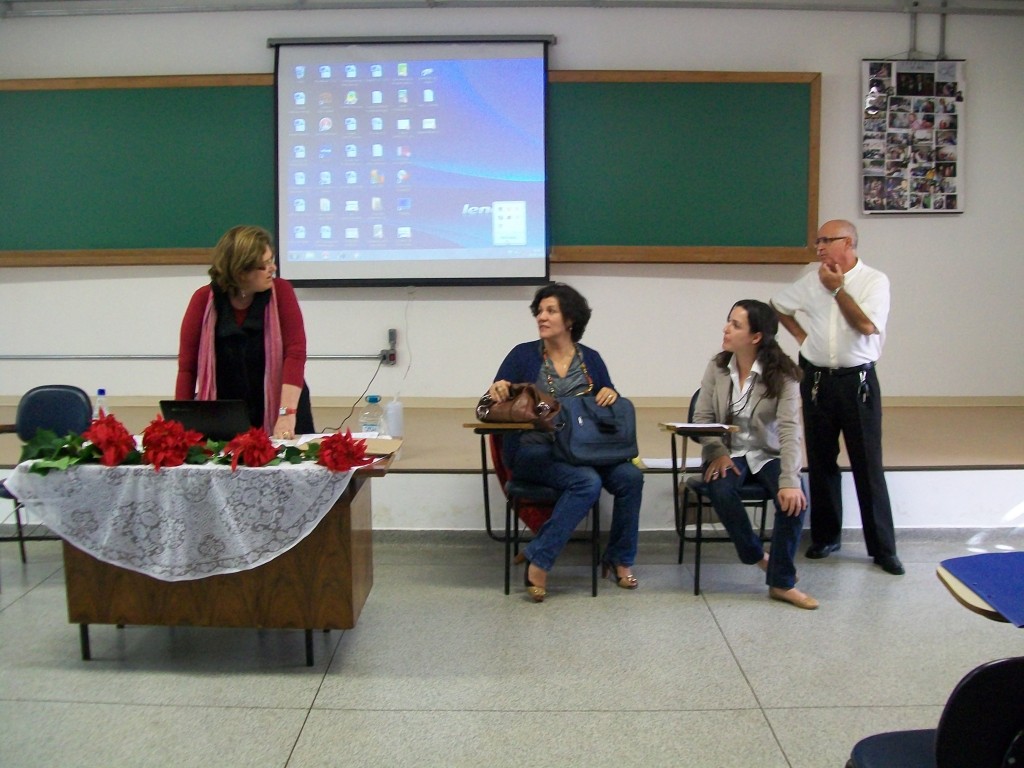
[808,366]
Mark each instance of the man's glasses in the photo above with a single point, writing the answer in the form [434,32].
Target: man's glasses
[828,240]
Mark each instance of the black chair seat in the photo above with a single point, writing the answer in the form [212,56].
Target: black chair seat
[519,494]
[754,497]
[907,749]
[751,493]
[527,492]
[982,726]
[695,498]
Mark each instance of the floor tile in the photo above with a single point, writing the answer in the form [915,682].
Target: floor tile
[40,659]
[444,669]
[824,737]
[104,735]
[725,739]
[439,643]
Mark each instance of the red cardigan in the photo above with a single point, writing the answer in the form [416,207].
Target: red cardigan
[293,337]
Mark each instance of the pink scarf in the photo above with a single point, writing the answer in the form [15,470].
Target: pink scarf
[273,350]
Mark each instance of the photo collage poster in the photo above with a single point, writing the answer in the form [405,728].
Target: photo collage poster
[912,136]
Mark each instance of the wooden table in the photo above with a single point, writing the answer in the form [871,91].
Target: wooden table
[289,552]
[320,583]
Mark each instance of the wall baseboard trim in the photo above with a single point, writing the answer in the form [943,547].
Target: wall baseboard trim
[912,401]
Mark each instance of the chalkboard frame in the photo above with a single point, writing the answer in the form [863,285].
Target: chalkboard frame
[559,253]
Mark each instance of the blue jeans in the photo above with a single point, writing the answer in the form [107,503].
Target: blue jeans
[725,498]
[581,487]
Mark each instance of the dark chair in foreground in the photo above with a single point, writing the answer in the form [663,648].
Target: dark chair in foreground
[696,509]
[59,408]
[982,726]
[534,502]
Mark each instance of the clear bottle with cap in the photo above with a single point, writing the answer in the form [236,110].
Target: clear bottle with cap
[372,417]
[99,406]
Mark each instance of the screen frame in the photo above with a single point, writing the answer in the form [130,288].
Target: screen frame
[544,40]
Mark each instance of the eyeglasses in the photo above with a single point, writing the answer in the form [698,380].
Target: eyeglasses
[828,240]
[266,265]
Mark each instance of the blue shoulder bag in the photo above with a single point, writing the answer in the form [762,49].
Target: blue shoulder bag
[588,434]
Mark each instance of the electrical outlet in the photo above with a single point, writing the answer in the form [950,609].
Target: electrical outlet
[392,337]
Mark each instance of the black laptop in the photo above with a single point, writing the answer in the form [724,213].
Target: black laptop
[216,419]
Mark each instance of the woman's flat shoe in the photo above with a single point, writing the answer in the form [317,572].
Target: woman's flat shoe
[537,593]
[793,596]
[612,572]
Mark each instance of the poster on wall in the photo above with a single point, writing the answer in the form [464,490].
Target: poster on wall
[912,136]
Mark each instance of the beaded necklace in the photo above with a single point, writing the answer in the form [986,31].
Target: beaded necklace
[736,407]
[550,373]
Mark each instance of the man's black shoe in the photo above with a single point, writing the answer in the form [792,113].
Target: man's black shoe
[819,551]
[890,564]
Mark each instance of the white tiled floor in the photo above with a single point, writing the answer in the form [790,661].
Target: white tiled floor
[445,670]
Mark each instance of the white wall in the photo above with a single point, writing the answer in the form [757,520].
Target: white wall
[956,279]
[925,499]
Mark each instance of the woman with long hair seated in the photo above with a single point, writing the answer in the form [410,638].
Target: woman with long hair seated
[558,364]
[754,385]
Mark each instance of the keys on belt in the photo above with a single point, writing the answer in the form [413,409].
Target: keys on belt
[863,387]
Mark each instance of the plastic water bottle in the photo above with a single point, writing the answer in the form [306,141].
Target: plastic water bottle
[99,407]
[372,418]
[394,418]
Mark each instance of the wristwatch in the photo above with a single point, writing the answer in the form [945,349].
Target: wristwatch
[836,291]
[287,411]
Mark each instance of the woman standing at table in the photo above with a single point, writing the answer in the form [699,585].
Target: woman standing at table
[754,385]
[558,364]
[242,337]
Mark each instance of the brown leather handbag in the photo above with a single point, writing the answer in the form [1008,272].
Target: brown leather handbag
[525,403]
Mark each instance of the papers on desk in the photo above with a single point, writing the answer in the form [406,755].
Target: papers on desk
[299,441]
[693,462]
[684,425]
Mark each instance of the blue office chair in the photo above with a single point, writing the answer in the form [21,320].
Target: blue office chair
[982,726]
[696,504]
[60,408]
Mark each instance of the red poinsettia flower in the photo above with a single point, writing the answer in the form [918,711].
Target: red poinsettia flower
[341,452]
[110,437]
[167,443]
[251,449]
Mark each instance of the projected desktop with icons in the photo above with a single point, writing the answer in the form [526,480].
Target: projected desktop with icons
[412,161]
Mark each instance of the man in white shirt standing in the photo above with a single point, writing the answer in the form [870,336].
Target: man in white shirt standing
[844,306]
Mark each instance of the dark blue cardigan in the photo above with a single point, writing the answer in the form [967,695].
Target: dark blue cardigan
[523,364]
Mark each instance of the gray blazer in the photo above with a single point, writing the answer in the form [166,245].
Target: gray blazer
[775,424]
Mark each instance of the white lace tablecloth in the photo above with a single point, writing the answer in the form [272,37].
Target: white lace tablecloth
[182,522]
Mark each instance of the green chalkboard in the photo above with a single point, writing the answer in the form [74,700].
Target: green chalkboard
[671,163]
[642,166]
[133,168]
